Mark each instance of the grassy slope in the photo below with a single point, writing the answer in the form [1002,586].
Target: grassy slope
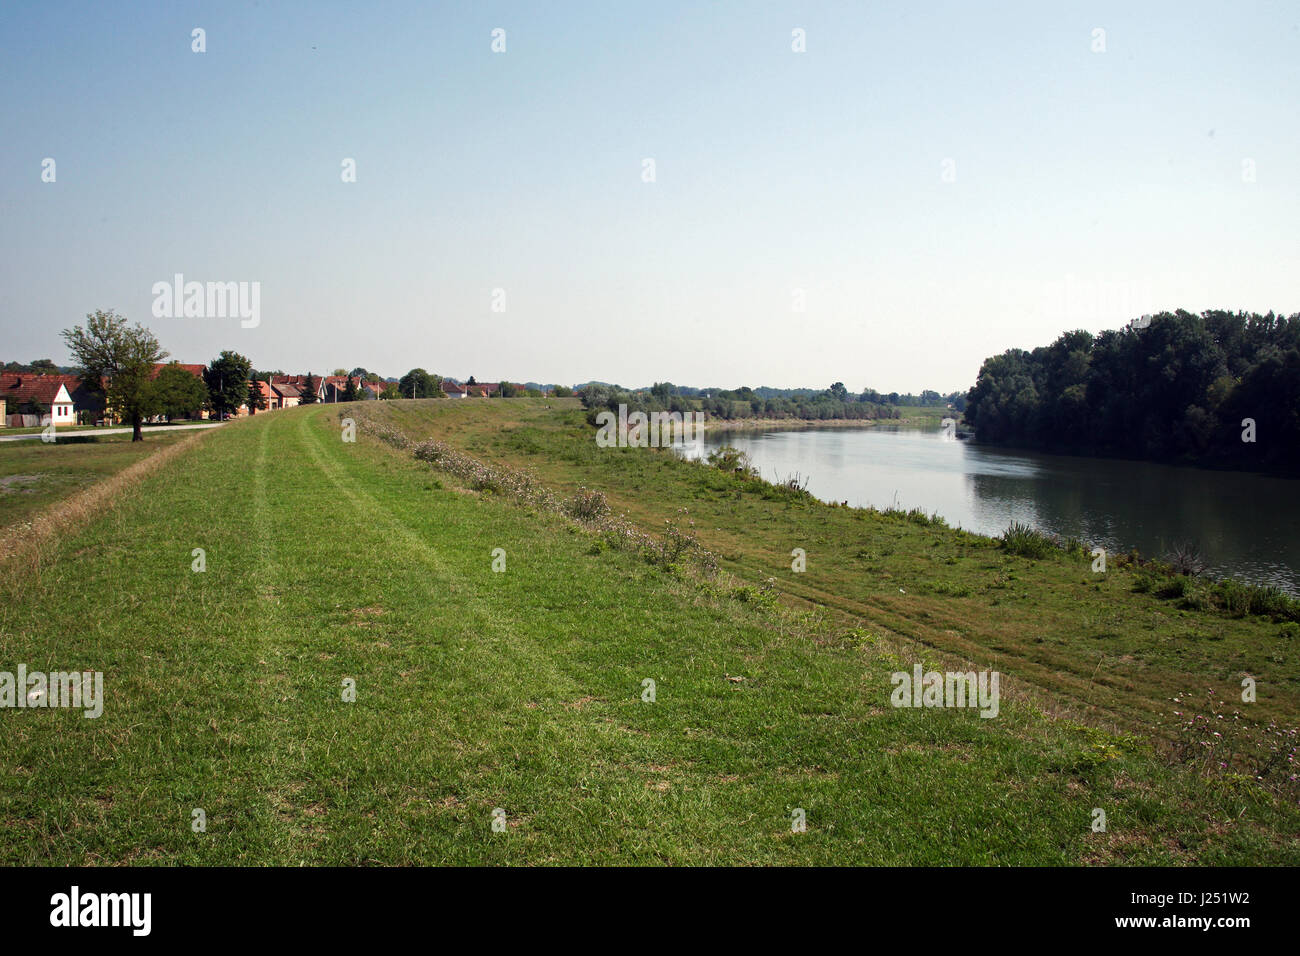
[1099,650]
[519,690]
[34,474]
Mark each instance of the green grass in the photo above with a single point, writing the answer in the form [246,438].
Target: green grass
[522,690]
[1103,651]
[34,474]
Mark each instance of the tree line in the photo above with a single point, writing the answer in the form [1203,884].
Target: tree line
[806,404]
[1220,388]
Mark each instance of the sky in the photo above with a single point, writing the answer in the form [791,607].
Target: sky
[924,185]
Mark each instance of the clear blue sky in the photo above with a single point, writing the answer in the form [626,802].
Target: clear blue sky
[1089,187]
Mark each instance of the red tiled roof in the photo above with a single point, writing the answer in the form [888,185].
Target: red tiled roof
[299,380]
[195,370]
[26,387]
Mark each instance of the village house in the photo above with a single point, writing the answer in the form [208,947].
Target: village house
[30,400]
[270,397]
[195,370]
[334,387]
[299,382]
[287,396]
[476,390]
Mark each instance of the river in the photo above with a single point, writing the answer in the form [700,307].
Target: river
[1247,526]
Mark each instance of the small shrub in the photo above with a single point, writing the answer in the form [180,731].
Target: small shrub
[1185,558]
[1026,541]
[730,459]
[587,506]
[764,595]
[1234,596]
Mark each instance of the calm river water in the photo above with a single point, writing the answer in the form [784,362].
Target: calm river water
[1247,526]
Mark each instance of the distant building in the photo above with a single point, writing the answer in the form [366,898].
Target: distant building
[195,370]
[31,400]
[300,383]
[269,396]
[287,396]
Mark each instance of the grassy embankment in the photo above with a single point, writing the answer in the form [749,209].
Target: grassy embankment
[1102,650]
[523,690]
[35,474]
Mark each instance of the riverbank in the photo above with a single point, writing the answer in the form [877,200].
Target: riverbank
[1104,650]
[921,418]
[426,660]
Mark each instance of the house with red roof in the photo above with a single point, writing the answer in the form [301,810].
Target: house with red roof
[333,388]
[31,400]
[286,395]
[269,397]
[195,370]
[299,382]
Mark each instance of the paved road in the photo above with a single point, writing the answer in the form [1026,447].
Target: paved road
[113,431]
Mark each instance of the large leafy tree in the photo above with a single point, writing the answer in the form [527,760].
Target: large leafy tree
[116,363]
[178,393]
[227,379]
[417,383]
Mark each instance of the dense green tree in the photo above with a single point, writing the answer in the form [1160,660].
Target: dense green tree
[116,363]
[308,391]
[417,383]
[227,379]
[178,393]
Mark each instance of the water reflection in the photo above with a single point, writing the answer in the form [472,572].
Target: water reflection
[1246,525]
